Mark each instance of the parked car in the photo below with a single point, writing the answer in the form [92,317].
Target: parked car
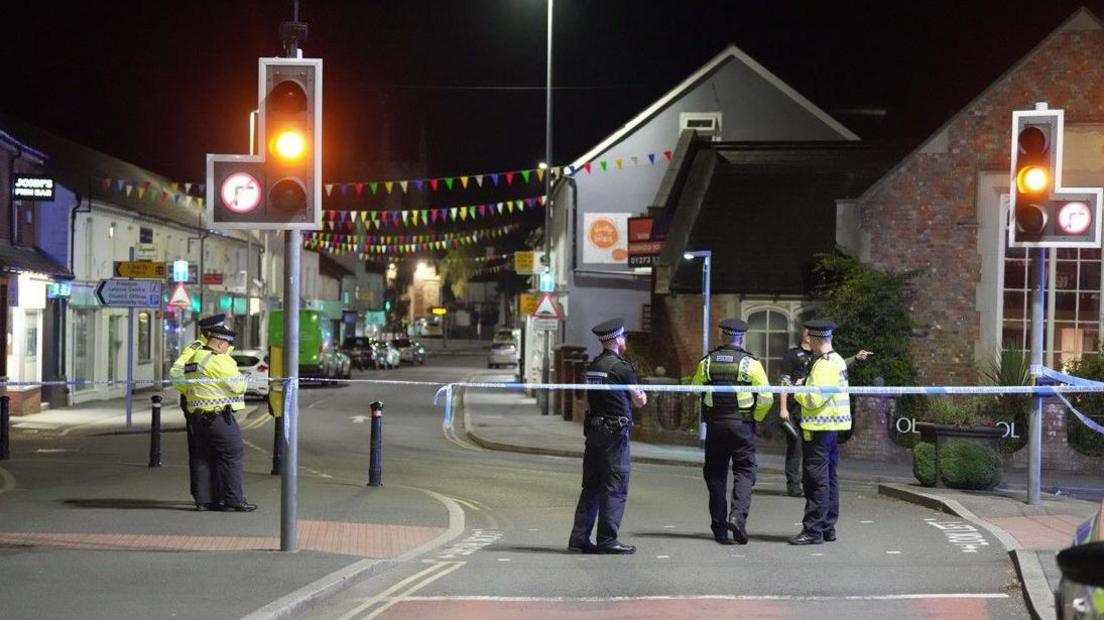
[503,354]
[340,365]
[385,355]
[253,365]
[410,352]
[1080,593]
[428,327]
[359,350]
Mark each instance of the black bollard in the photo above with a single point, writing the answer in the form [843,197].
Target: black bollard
[155,432]
[375,456]
[277,445]
[5,420]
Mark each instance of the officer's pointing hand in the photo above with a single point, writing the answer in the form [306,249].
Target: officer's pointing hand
[863,354]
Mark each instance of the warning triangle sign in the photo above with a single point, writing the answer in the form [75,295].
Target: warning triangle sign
[180,297]
[547,308]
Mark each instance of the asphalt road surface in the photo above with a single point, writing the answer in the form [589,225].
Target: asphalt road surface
[892,559]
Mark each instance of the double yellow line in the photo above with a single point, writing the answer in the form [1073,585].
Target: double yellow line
[373,607]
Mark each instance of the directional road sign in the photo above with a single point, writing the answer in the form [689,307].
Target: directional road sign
[129,293]
[140,269]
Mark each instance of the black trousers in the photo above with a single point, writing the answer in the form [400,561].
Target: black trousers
[821,483]
[793,452]
[220,453]
[607,465]
[729,443]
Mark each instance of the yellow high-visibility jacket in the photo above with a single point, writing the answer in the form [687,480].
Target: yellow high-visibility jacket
[744,369]
[213,395]
[826,412]
[176,372]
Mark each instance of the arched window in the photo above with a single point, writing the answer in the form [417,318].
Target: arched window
[768,338]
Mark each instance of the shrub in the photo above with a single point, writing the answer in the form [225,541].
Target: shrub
[1081,438]
[962,464]
[969,465]
[923,463]
[958,411]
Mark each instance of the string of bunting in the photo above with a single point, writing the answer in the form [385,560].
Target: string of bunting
[349,221]
[145,190]
[495,179]
[454,259]
[401,239]
[347,244]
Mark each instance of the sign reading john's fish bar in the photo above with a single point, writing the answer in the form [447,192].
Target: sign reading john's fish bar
[32,187]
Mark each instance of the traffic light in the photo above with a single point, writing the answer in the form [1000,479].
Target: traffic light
[280,187]
[1042,213]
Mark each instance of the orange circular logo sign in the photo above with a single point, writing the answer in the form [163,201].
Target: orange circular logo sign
[603,233]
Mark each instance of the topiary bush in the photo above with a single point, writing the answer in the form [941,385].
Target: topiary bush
[962,464]
[923,463]
[969,465]
[1010,367]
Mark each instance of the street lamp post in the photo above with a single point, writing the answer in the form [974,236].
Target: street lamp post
[547,362]
[707,265]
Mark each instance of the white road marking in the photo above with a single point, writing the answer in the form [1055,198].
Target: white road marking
[708,597]
[668,527]
[437,567]
[966,537]
[893,552]
[663,557]
[476,541]
[816,555]
[533,529]
[414,588]
[51,450]
[504,560]
[867,522]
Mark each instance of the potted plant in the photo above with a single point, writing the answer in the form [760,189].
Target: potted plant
[957,447]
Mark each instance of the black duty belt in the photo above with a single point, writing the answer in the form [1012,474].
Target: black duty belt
[595,421]
[737,416]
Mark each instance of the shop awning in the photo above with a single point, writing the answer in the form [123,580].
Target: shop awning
[18,259]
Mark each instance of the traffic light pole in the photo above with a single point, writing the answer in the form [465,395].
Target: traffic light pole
[1035,428]
[289,496]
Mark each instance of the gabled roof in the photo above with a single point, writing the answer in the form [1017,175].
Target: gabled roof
[1081,20]
[729,54]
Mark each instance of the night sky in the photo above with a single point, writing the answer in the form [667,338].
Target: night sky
[161,83]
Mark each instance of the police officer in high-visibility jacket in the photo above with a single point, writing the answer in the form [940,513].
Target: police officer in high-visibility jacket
[217,392]
[197,470]
[822,417]
[730,419]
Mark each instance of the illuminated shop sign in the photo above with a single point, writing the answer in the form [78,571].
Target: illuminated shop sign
[32,187]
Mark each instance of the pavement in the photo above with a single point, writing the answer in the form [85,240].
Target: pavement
[1031,534]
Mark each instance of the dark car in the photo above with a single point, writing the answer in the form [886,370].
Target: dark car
[359,350]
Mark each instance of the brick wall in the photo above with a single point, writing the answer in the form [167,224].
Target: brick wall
[923,215]
[24,401]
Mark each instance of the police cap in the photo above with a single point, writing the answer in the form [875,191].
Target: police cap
[733,327]
[215,320]
[609,330]
[222,332]
[820,328]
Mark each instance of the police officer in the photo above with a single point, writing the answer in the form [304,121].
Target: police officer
[215,396]
[606,459]
[795,367]
[730,419]
[822,417]
[199,478]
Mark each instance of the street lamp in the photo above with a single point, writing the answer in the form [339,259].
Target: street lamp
[706,267]
[545,369]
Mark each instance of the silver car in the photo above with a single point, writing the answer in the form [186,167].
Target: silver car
[503,354]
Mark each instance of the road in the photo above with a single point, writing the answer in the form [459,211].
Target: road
[892,559]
